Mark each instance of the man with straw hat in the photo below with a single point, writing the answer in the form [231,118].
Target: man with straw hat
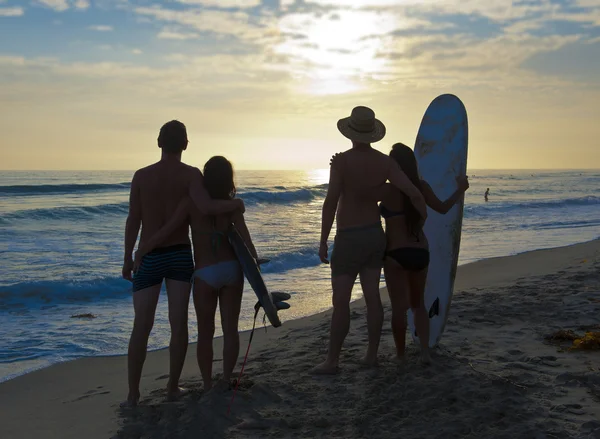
[359,245]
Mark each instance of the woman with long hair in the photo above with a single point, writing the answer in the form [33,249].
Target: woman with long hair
[407,251]
[218,275]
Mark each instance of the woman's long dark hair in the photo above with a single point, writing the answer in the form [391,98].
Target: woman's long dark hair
[218,178]
[405,157]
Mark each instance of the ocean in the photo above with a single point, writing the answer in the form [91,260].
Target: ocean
[61,242]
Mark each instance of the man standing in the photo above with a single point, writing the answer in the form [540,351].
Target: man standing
[360,241]
[156,191]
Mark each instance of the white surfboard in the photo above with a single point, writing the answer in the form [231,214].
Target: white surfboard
[441,152]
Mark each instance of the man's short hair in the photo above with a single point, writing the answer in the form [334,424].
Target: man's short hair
[173,137]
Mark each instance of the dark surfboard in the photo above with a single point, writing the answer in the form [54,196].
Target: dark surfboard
[252,273]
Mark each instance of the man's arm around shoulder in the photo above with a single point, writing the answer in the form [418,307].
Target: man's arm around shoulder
[204,203]
[402,182]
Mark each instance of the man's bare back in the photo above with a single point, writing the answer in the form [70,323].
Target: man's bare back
[160,188]
[362,168]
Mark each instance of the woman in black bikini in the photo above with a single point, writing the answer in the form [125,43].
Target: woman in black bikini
[407,252]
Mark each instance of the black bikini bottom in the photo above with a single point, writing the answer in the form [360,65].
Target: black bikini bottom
[410,258]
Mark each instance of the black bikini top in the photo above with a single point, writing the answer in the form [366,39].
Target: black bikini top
[387,213]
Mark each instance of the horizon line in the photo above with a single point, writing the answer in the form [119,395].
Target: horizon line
[293,170]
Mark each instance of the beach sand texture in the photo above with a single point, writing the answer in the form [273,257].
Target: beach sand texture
[494,375]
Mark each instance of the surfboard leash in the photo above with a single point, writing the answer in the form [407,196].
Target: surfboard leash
[256,310]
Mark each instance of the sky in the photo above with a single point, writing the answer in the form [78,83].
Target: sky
[86,84]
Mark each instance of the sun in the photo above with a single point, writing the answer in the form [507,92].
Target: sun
[331,53]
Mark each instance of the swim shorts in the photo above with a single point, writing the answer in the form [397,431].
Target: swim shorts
[174,262]
[357,248]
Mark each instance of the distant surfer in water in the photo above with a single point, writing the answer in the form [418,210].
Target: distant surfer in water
[156,190]
[218,275]
[407,252]
[487,193]
[360,242]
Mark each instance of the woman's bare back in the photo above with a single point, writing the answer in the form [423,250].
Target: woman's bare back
[209,235]
[397,232]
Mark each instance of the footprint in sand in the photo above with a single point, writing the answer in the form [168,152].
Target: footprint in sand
[90,393]
[162,377]
[573,409]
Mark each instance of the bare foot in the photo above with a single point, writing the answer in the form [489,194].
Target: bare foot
[369,361]
[400,360]
[426,359]
[176,394]
[218,388]
[325,369]
[223,385]
[131,401]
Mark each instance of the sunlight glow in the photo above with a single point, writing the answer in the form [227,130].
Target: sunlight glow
[318,176]
[336,50]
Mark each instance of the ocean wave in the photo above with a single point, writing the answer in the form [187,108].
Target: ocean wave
[40,293]
[74,213]
[277,194]
[487,209]
[284,195]
[574,224]
[298,258]
[70,213]
[48,293]
[63,189]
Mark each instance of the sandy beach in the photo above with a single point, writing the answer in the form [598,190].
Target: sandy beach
[495,375]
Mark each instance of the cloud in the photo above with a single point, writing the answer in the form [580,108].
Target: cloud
[237,23]
[228,78]
[358,44]
[57,5]
[317,47]
[498,10]
[222,3]
[172,35]
[63,5]
[81,4]
[101,28]
[136,51]
[12,12]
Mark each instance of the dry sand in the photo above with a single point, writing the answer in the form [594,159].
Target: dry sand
[494,374]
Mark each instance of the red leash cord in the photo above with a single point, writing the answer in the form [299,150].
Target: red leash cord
[257,308]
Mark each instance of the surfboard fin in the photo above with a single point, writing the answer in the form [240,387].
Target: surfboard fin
[279,296]
[279,300]
[435,308]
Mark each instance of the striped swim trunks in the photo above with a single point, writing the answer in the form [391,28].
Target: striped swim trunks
[174,262]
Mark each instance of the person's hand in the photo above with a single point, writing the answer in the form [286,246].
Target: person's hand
[127,269]
[335,159]
[241,207]
[323,249]
[463,183]
[137,261]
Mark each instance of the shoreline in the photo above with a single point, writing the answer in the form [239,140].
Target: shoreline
[382,289]
[494,376]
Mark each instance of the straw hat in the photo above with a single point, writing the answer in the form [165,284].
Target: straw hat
[362,126]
